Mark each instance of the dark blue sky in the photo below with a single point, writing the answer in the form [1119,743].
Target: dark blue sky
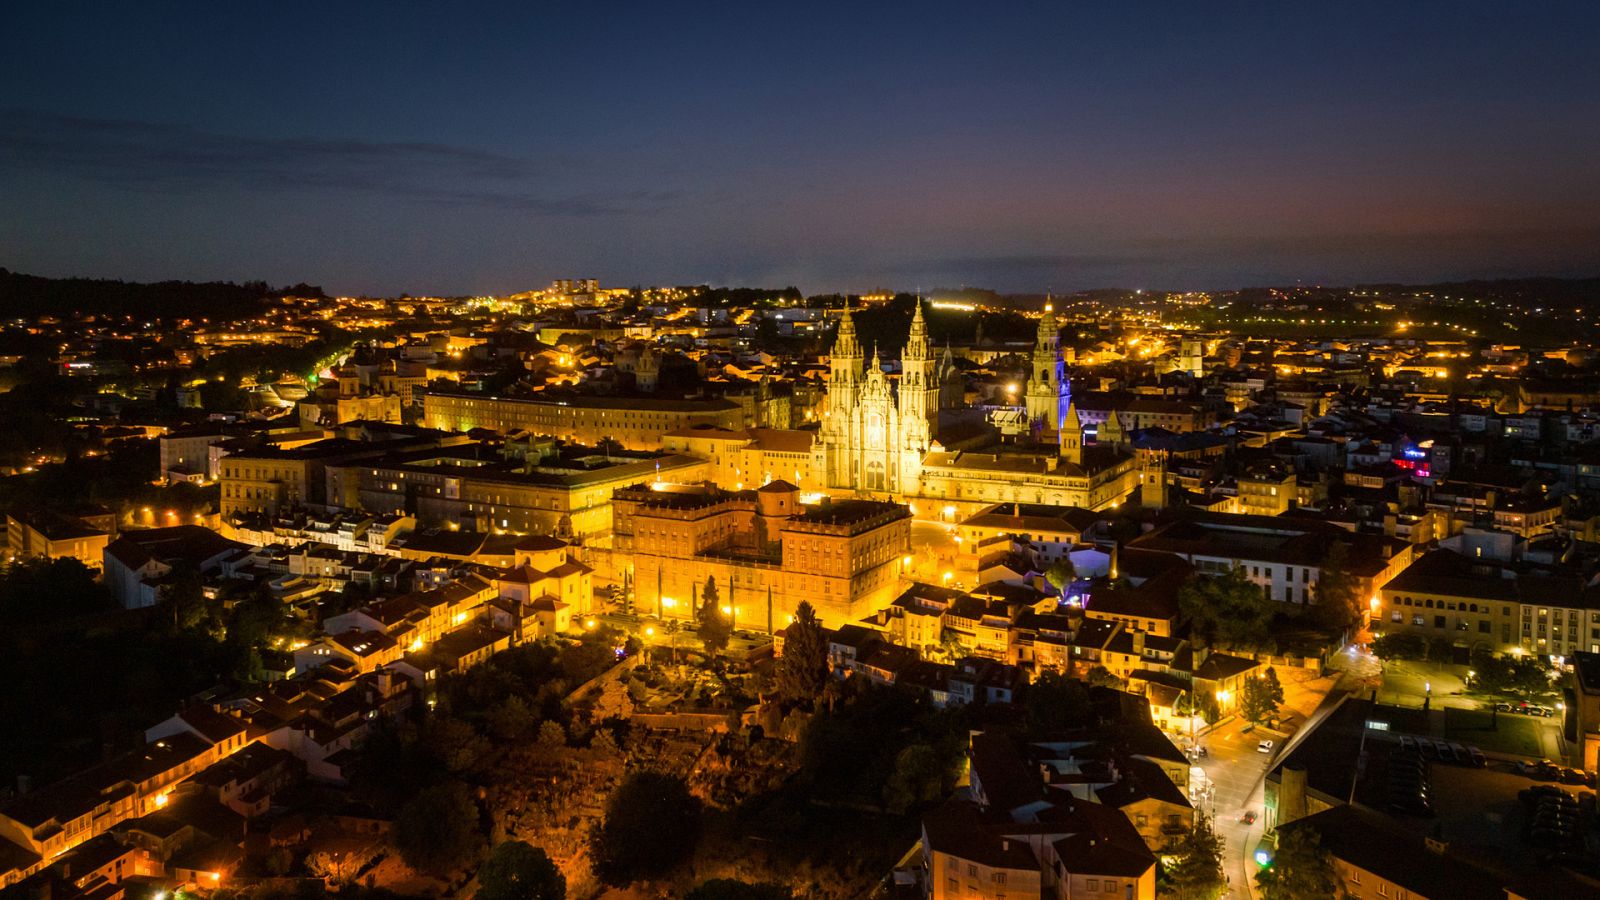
[453,147]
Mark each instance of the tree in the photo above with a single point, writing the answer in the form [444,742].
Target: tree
[38,588]
[1337,593]
[1228,610]
[1301,869]
[454,743]
[1060,574]
[512,720]
[918,778]
[605,743]
[1100,676]
[339,866]
[1054,702]
[731,889]
[651,825]
[803,668]
[551,735]
[184,598]
[517,870]
[437,831]
[1196,873]
[1529,676]
[1260,698]
[1441,650]
[1400,645]
[714,627]
[1202,704]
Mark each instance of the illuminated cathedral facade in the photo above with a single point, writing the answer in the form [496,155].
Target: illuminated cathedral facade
[874,437]
[881,439]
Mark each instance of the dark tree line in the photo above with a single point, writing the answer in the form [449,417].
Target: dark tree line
[33,295]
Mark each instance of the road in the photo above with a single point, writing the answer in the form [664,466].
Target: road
[1234,774]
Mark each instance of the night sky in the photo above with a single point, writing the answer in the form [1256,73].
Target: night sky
[465,148]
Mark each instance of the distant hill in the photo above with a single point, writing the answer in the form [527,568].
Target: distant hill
[1549,291]
[32,295]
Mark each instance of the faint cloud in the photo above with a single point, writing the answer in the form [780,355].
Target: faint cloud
[168,158]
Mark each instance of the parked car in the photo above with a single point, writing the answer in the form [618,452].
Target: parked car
[1476,755]
[1571,776]
[1407,742]
[1502,707]
[1264,747]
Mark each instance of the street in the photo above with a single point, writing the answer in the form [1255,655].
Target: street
[1234,772]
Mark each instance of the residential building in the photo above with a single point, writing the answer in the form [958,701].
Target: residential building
[1284,556]
[37,533]
[137,563]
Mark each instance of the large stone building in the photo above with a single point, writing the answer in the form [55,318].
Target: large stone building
[874,438]
[764,550]
[1484,604]
[549,490]
[1284,556]
[633,422]
[881,440]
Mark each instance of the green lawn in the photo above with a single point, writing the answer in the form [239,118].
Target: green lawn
[1513,733]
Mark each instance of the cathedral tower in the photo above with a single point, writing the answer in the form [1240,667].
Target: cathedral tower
[1191,356]
[845,378]
[919,372]
[845,363]
[1046,396]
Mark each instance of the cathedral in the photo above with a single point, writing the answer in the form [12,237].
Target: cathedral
[874,438]
[881,439]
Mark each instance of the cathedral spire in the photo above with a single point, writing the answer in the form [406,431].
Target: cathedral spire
[917,340]
[845,344]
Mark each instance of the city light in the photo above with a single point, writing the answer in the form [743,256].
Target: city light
[1145,490]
